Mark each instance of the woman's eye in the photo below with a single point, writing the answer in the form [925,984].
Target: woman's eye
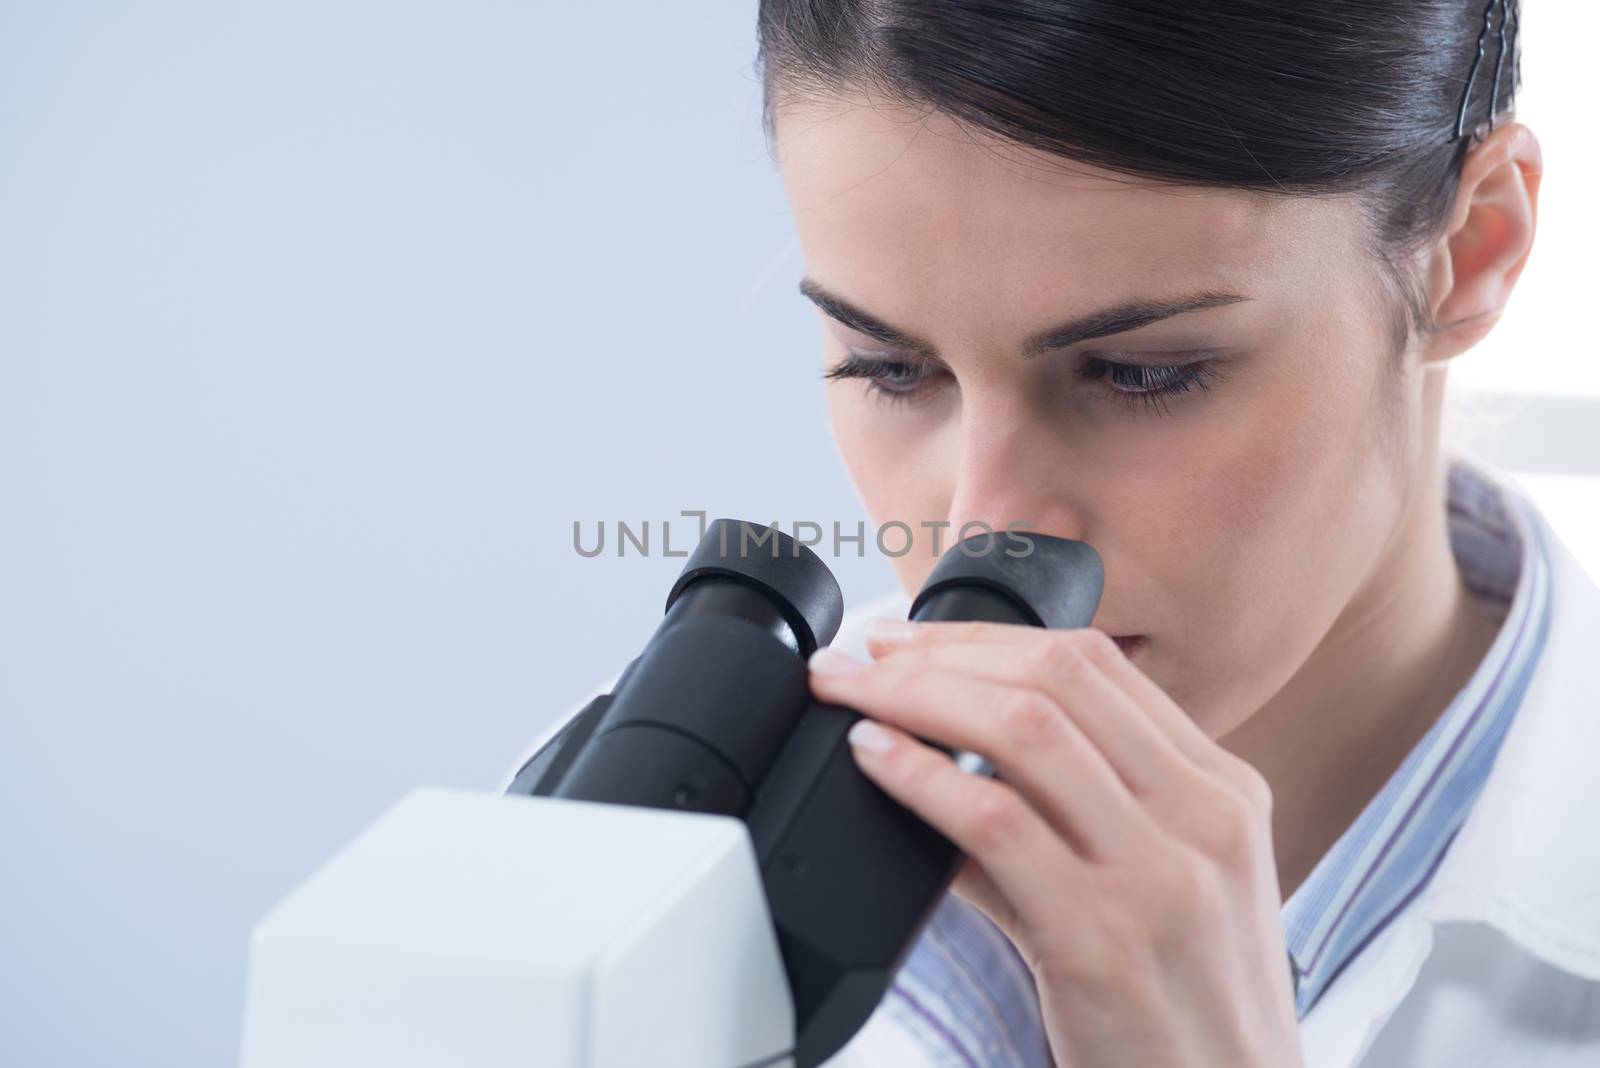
[892,380]
[1138,385]
[1150,386]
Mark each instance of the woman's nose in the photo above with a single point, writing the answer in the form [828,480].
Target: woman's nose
[1009,477]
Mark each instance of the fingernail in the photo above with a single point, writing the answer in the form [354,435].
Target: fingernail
[890,630]
[869,736]
[830,661]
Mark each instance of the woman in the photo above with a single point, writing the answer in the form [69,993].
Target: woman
[1184,280]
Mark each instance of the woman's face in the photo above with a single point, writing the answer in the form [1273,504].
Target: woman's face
[1238,520]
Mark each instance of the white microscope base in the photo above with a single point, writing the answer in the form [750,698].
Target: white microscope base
[466,930]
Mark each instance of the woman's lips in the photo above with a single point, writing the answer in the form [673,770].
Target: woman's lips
[1130,644]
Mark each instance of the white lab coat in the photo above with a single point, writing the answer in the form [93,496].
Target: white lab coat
[1497,960]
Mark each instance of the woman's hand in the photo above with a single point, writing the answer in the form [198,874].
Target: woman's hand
[1126,854]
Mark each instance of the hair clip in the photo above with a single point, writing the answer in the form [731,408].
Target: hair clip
[1508,13]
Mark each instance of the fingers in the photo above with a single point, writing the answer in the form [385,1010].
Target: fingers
[1160,710]
[1024,867]
[1073,672]
[1034,746]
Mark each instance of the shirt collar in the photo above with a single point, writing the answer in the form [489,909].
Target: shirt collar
[1525,861]
[1388,854]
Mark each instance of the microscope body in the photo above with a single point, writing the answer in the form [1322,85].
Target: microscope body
[694,861]
[490,931]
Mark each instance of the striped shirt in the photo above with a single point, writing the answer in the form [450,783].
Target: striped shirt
[968,998]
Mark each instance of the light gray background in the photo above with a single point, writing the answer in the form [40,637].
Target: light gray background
[320,323]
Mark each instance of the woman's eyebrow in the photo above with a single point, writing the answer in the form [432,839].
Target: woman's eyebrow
[1118,319]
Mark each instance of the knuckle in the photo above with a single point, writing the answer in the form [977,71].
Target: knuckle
[1255,789]
[1234,829]
[1067,665]
[1028,717]
[1078,653]
[994,817]
[1039,662]
[1096,646]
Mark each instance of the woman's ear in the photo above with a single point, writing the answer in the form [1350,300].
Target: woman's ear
[1474,266]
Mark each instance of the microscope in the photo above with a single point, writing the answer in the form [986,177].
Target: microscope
[691,873]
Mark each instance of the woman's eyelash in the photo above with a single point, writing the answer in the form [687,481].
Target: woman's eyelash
[893,380]
[1154,385]
[899,381]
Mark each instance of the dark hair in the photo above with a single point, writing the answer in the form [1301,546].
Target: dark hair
[1353,97]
